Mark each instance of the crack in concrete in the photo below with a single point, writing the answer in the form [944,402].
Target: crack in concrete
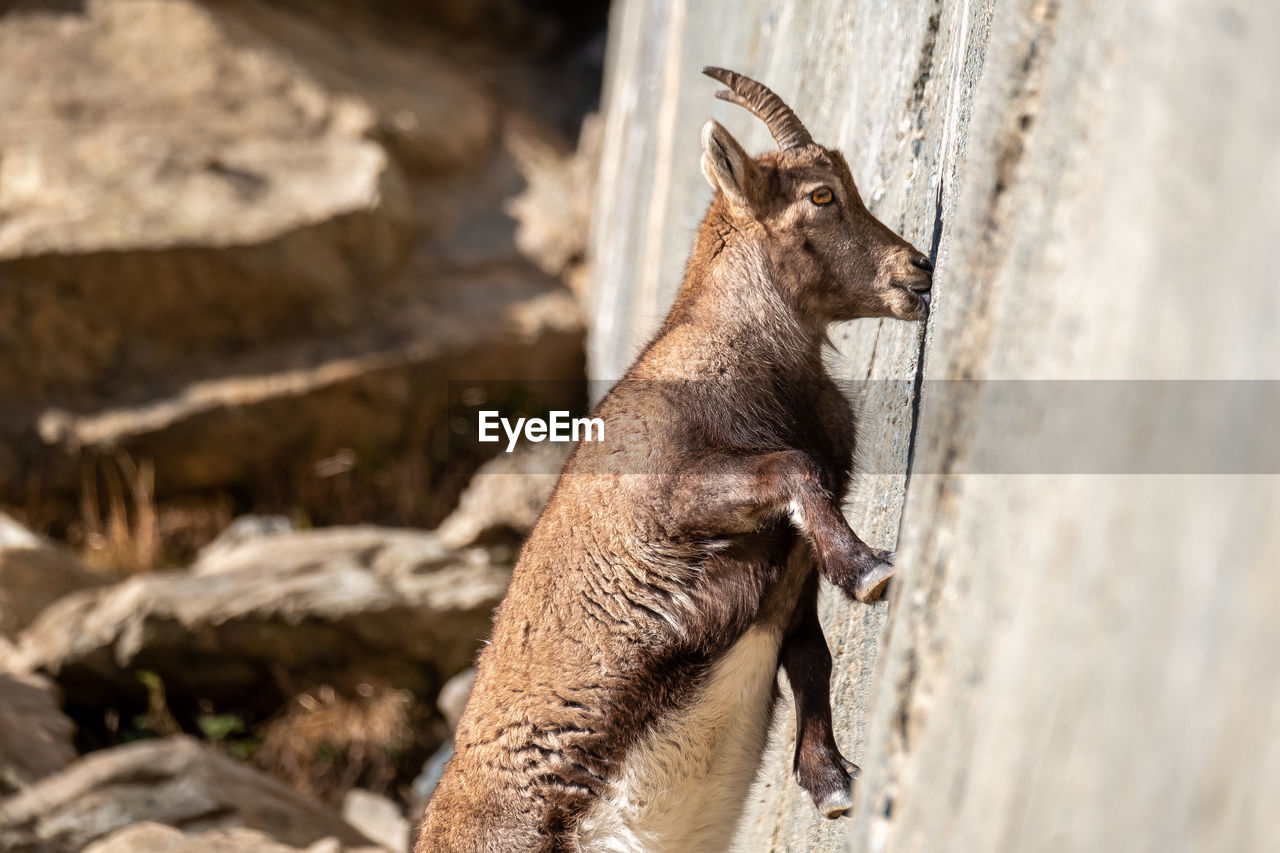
[918,382]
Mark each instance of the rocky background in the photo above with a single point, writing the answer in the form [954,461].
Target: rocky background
[252,255]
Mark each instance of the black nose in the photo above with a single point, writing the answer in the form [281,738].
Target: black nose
[923,262]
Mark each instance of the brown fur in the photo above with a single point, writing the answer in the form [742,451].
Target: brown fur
[726,456]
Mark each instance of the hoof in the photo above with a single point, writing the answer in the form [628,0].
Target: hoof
[873,584]
[830,784]
[836,804]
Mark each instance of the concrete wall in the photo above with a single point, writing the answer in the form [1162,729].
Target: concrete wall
[1069,661]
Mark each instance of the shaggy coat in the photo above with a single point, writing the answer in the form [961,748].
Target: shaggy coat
[624,699]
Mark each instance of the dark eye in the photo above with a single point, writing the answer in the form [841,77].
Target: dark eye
[822,195]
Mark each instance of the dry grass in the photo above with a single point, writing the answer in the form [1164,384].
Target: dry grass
[120,527]
[122,530]
[327,741]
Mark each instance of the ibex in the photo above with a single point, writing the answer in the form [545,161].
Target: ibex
[624,700]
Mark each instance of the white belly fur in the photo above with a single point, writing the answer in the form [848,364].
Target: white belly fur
[685,784]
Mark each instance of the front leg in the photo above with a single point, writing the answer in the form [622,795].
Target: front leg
[728,493]
[819,767]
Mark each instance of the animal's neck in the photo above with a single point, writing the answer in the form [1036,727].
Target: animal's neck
[738,299]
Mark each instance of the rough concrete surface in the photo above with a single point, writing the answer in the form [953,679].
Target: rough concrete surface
[1067,662]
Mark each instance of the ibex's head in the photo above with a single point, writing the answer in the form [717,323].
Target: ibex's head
[841,261]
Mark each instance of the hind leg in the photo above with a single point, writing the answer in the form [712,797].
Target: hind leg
[819,767]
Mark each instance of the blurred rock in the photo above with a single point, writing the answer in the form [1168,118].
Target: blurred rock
[378,818]
[148,837]
[35,736]
[427,780]
[506,495]
[554,211]
[454,695]
[241,530]
[395,605]
[429,110]
[264,209]
[174,781]
[514,22]
[452,701]
[14,535]
[327,845]
[240,238]
[273,414]
[34,573]
[8,655]
[333,845]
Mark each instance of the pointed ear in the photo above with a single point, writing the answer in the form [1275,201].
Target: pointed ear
[728,167]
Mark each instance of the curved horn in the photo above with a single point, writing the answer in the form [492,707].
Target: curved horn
[768,107]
